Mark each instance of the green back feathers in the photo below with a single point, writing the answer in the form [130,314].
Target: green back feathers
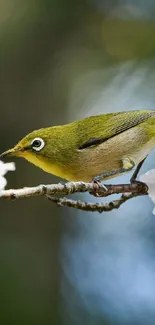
[103,127]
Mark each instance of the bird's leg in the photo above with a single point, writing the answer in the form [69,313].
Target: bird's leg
[134,176]
[127,165]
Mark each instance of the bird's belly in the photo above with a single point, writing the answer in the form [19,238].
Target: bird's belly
[108,156]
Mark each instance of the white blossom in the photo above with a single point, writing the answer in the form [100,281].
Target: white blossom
[149,179]
[4,168]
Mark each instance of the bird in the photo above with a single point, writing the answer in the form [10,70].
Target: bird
[94,148]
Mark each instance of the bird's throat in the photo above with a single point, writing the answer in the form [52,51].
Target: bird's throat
[44,164]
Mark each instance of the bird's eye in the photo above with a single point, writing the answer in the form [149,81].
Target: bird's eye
[37,144]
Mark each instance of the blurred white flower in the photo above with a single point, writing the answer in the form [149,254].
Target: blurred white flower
[149,179]
[4,168]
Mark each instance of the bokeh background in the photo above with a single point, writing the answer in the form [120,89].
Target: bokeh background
[61,60]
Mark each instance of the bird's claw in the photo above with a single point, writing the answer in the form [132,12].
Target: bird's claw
[96,188]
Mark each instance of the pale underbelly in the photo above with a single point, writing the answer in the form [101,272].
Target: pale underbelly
[109,156]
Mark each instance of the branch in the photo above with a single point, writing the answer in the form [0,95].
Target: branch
[129,191]
[89,206]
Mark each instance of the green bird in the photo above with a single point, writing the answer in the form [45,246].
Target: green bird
[94,148]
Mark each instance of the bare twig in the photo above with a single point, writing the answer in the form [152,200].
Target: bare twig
[129,191]
[73,187]
[90,206]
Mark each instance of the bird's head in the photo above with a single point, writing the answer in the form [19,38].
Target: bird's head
[40,148]
[46,148]
[35,143]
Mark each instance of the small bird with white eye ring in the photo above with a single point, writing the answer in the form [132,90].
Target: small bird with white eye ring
[94,148]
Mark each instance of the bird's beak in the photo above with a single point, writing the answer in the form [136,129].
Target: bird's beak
[11,152]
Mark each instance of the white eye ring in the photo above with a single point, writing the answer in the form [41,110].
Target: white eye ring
[38,144]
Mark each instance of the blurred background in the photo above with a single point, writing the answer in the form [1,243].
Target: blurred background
[61,60]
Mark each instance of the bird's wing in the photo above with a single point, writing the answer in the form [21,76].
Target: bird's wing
[109,125]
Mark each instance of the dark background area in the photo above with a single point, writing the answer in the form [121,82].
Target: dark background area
[60,61]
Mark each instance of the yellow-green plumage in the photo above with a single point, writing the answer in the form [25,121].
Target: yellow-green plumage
[92,146]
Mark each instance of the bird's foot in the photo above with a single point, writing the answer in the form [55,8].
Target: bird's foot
[98,185]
